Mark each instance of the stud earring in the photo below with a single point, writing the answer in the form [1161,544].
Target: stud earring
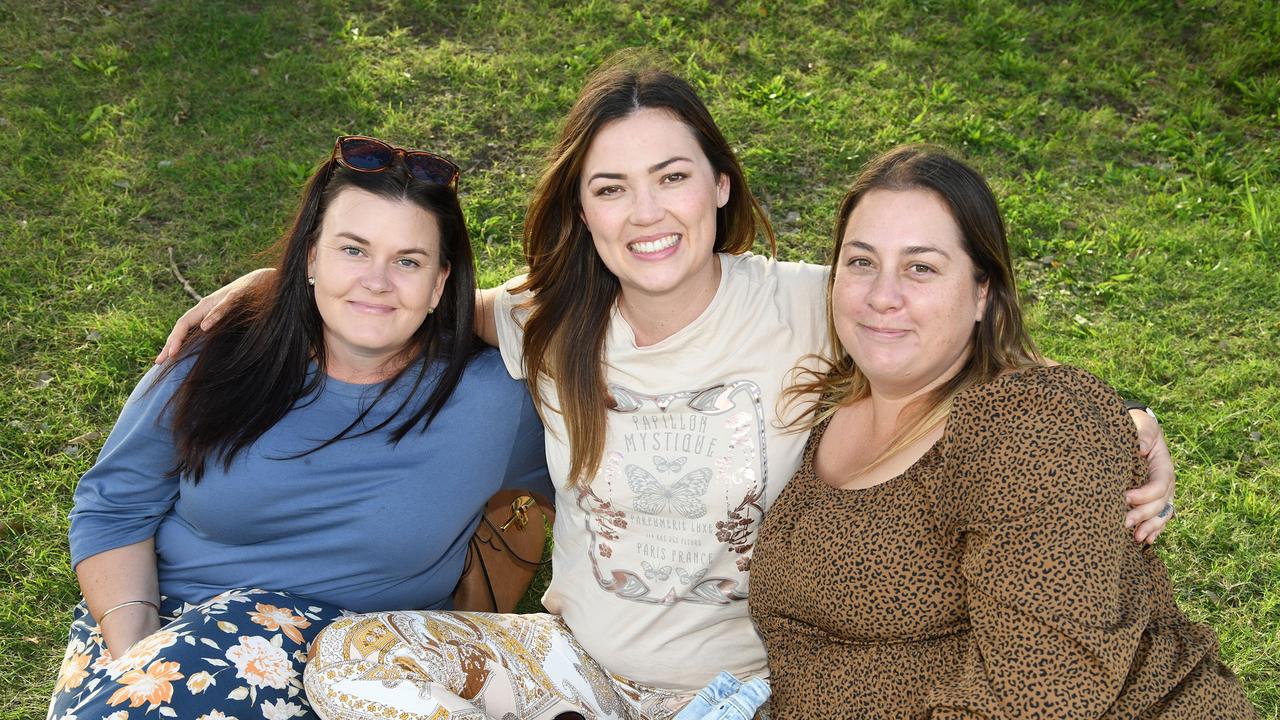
[311,280]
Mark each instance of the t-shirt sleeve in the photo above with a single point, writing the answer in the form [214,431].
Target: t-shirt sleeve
[509,319]
[128,491]
[803,288]
[1036,467]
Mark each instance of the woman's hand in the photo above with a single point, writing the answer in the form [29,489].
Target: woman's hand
[209,310]
[1151,506]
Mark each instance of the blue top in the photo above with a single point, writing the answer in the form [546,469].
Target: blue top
[362,524]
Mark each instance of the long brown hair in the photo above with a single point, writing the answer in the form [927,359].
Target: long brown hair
[251,368]
[999,342]
[572,290]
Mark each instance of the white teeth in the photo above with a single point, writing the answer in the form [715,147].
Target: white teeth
[653,246]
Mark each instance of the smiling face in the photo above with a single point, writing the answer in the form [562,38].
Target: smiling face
[904,296]
[378,272]
[649,198]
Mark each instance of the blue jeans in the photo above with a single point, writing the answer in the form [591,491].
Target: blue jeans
[727,698]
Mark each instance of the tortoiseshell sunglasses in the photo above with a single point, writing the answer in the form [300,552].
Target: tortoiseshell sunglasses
[366,154]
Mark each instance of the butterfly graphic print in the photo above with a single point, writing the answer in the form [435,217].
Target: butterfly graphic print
[683,496]
[678,469]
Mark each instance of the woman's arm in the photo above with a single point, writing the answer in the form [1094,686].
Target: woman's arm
[486,324]
[1057,601]
[119,505]
[209,310]
[211,307]
[1147,515]
[117,576]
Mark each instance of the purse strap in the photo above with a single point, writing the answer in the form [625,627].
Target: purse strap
[498,530]
[519,516]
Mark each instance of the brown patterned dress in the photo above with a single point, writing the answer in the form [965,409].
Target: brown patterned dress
[992,579]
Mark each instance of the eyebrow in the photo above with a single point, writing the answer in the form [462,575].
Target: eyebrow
[357,239]
[908,250]
[652,169]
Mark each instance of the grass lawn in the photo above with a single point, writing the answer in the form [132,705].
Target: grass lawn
[1134,145]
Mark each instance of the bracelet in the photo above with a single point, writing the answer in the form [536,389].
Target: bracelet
[126,603]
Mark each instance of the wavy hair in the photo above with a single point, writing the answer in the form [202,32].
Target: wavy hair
[572,290]
[999,342]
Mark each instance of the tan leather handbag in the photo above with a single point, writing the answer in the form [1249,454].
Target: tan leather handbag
[504,553]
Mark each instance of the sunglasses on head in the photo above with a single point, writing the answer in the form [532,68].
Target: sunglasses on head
[368,155]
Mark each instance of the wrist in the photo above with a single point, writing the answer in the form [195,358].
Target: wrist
[126,626]
[1138,405]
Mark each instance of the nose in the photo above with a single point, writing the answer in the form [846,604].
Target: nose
[885,293]
[646,208]
[375,278]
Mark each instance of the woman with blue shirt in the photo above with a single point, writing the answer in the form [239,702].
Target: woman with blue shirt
[327,448]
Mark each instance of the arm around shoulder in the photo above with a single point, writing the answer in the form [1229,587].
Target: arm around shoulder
[486,306]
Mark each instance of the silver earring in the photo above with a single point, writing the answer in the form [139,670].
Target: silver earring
[311,280]
[430,310]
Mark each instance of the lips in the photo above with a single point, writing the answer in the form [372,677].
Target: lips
[371,308]
[654,246]
[884,333]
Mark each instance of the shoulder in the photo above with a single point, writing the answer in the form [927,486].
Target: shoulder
[487,381]
[1017,441]
[1038,397]
[749,267]
[486,370]
[509,298]
[797,290]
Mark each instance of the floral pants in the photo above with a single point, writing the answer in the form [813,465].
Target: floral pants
[433,665]
[237,655]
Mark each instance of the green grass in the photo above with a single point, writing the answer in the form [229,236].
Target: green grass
[1134,145]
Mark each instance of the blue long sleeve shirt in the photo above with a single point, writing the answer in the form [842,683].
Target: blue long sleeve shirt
[363,524]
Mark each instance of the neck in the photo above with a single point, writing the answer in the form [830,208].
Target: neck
[656,317]
[361,370]
[887,401]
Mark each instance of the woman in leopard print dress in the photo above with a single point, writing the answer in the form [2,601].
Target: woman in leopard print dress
[951,545]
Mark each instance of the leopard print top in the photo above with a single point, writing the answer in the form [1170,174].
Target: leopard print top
[992,579]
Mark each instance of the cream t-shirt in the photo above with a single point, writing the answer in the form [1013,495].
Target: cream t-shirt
[651,557]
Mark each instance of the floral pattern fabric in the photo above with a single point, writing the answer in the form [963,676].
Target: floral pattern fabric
[236,656]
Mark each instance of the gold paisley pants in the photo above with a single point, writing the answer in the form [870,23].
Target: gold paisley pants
[465,666]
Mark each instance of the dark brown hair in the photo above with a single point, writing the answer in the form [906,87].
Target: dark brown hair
[572,290]
[256,363]
[1000,341]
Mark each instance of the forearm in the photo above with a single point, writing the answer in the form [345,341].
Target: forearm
[119,576]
